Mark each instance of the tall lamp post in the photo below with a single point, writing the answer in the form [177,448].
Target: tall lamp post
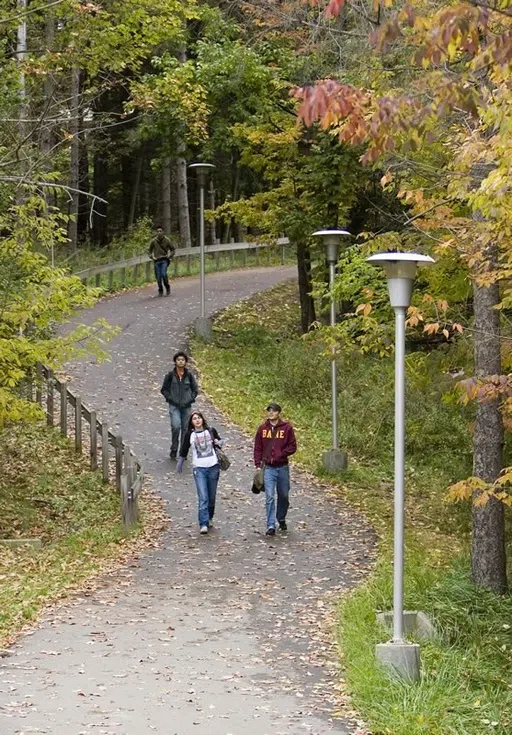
[334,459]
[203,324]
[399,655]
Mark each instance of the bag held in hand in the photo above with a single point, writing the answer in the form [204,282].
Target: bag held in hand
[258,482]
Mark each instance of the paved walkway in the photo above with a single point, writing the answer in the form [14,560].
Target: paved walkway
[216,635]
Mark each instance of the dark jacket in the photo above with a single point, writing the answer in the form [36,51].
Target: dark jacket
[185,444]
[161,247]
[179,392]
[284,444]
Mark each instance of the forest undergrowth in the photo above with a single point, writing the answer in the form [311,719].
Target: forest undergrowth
[49,496]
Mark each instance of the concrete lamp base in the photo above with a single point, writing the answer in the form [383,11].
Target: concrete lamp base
[334,461]
[416,623]
[401,659]
[203,328]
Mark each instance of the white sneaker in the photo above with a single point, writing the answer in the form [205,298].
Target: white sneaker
[203,529]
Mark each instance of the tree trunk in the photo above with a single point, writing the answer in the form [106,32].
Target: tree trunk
[75,158]
[183,210]
[99,228]
[136,188]
[84,201]
[181,178]
[488,544]
[166,195]
[21,55]
[127,172]
[488,556]
[307,303]
[47,132]
[213,228]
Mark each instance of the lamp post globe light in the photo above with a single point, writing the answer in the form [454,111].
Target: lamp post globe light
[203,324]
[334,459]
[401,657]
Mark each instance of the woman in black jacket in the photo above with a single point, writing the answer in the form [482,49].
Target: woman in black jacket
[203,440]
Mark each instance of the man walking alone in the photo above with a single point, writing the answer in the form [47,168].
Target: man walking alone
[161,250]
[273,444]
[180,391]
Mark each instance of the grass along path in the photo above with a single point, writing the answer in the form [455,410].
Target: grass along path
[257,355]
[47,492]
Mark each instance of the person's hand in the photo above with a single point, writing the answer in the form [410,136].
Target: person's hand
[179,465]
[218,442]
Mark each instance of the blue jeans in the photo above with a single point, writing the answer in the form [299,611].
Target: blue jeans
[161,275]
[206,479]
[276,478]
[179,422]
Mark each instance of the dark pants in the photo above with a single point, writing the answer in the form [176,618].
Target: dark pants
[161,275]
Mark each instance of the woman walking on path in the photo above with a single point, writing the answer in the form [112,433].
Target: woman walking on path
[202,439]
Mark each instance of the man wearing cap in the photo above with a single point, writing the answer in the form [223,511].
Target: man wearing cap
[273,444]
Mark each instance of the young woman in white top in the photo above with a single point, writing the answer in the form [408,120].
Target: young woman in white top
[202,439]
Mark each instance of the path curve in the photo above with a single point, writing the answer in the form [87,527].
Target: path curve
[215,635]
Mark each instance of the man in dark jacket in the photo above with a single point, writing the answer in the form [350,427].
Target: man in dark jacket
[273,444]
[161,250]
[180,391]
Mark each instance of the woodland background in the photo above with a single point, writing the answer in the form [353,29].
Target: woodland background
[390,119]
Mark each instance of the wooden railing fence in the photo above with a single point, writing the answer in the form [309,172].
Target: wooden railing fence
[105,448]
[212,253]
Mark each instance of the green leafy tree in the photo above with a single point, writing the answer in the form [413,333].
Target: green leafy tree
[34,298]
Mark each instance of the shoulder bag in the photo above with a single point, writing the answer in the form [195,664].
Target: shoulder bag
[224,461]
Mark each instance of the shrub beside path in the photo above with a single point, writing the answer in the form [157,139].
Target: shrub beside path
[226,634]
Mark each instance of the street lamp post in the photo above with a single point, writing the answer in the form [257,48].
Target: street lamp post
[203,324]
[398,654]
[334,459]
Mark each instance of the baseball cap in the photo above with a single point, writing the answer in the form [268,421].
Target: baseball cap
[274,407]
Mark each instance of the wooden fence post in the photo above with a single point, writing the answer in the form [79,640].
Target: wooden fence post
[128,498]
[232,257]
[78,424]
[111,280]
[148,270]
[104,452]
[123,492]
[245,256]
[175,267]
[188,264]
[135,274]
[97,280]
[119,460]
[94,441]
[63,389]
[123,277]
[49,398]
